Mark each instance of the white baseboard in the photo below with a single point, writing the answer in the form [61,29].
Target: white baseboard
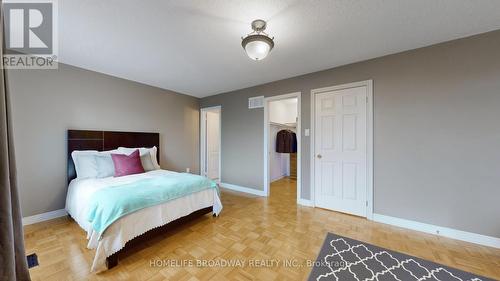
[305,202]
[439,230]
[243,189]
[278,178]
[44,216]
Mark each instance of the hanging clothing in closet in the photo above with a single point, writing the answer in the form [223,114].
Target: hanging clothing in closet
[286,142]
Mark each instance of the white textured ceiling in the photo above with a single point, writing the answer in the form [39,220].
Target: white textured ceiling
[193,46]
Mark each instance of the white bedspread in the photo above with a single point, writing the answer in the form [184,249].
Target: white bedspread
[134,224]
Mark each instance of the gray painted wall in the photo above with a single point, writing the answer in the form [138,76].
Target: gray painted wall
[436,132]
[48,102]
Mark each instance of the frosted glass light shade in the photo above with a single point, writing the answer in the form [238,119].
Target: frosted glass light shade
[257,47]
[257,50]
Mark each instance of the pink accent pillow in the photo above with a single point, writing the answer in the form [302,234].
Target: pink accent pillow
[127,164]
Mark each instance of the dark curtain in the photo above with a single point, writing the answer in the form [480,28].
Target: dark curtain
[13,264]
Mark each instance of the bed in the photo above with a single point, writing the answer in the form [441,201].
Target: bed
[137,225]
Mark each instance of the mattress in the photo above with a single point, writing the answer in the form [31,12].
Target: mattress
[132,225]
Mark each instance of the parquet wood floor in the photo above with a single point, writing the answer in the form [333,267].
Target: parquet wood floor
[249,229]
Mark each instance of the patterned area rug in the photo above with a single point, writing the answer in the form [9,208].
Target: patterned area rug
[345,259]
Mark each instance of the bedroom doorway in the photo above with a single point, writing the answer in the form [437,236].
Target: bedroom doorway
[282,147]
[210,143]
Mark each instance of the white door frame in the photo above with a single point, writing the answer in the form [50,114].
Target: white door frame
[267,181]
[369,138]
[203,138]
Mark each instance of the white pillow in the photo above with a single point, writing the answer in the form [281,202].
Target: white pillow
[105,165]
[147,162]
[93,164]
[154,152]
[85,163]
[147,165]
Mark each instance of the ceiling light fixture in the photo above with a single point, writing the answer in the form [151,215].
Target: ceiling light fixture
[257,44]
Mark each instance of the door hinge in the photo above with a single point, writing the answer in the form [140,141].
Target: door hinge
[366,99]
[366,203]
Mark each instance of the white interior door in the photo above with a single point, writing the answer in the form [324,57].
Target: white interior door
[340,150]
[213,149]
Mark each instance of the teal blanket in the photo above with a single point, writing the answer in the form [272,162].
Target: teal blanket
[111,203]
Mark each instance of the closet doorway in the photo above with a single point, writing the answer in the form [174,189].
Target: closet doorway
[282,146]
[210,143]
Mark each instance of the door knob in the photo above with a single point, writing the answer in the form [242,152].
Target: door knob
[319,156]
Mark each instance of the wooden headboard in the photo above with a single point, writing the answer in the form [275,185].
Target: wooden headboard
[107,140]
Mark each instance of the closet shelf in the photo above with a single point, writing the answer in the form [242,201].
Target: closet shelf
[288,125]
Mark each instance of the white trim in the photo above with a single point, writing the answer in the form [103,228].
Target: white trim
[243,189]
[203,129]
[369,150]
[278,178]
[44,216]
[305,202]
[267,181]
[439,230]
[369,138]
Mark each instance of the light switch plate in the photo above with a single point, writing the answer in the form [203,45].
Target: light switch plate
[306,132]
